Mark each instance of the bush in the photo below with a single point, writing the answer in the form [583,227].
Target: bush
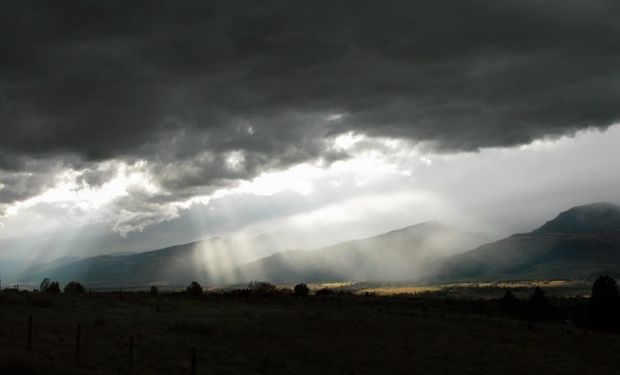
[195,289]
[324,292]
[53,288]
[604,304]
[48,286]
[301,290]
[538,305]
[45,284]
[242,293]
[74,287]
[509,303]
[261,287]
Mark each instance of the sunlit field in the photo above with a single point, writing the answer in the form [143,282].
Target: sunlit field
[570,288]
[341,333]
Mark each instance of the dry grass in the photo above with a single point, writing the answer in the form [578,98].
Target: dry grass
[523,284]
[472,289]
[346,335]
[395,290]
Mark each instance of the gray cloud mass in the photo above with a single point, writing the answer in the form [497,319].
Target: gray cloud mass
[183,84]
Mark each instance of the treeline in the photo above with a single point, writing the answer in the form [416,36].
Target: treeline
[258,289]
[53,287]
[600,312]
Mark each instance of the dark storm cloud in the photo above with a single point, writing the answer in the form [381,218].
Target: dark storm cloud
[169,81]
[19,185]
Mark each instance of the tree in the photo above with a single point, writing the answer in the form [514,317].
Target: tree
[154,290]
[261,287]
[45,284]
[509,303]
[604,304]
[53,288]
[301,290]
[538,305]
[74,287]
[194,289]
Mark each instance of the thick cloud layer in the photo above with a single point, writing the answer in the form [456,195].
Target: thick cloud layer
[209,92]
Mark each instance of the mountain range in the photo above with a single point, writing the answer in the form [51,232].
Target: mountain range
[405,254]
[581,242]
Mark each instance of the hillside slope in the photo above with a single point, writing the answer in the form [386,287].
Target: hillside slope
[208,260]
[579,243]
[405,254]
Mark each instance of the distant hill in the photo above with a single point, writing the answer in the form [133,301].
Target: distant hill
[402,254]
[581,242]
[212,259]
[593,218]
[405,254]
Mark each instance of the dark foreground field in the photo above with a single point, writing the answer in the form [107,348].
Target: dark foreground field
[316,335]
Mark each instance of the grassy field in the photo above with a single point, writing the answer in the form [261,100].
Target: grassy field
[345,334]
[563,288]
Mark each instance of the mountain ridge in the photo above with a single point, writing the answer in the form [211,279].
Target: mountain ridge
[177,265]
[594,217]
[578,243]
[409,253]
[575,244]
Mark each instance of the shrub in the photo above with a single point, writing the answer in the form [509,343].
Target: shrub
[301,290]
[53,288]
[74,287]
[243,293]
[45,284]
[194,289]
[261,287]
[509,303]
[282,292]
[538,305]
[324,292]
[604,304]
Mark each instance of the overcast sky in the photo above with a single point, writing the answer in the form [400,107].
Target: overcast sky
[131,125]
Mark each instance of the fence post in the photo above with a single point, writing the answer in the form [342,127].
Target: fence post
[194,360]
[130,354]
[78,337]
[29,345]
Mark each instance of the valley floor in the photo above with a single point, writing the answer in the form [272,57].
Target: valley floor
[316,335]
